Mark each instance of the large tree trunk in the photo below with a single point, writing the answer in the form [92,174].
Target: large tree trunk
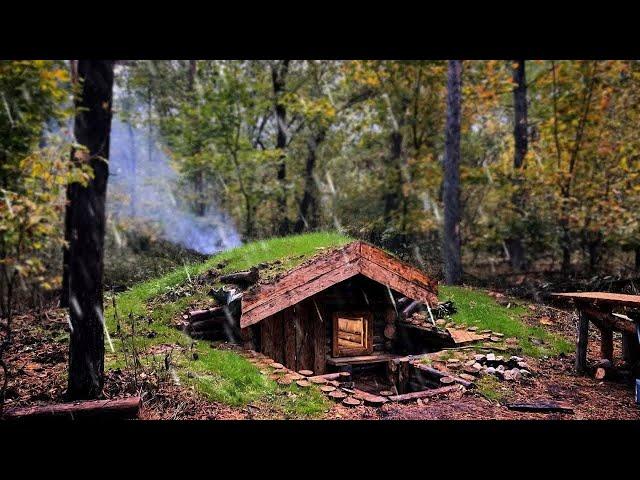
[393,196]
[451,187]
[279,77]
[514,243]
[87,226]
[308,215]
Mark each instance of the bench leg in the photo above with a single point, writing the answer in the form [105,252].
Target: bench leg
[583,340]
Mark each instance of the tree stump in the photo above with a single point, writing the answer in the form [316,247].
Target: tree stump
[351,402]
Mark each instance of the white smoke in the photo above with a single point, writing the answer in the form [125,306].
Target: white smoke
[142,183]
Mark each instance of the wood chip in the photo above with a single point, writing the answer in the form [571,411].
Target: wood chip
[351,402]
[337,395]
[447,380]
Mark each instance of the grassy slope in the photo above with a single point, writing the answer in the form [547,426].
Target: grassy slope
[221,375]
[225,376]
[477,308]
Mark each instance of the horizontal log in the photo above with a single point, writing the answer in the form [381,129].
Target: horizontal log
[209,324]
[407,397]
[248,277]
[603,319]
[547,406]
[344,376]
[205,314]
[438,375]
[369,398]
[117,407]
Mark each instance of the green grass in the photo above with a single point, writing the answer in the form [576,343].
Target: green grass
[477,308]
[220,375]
[491,388]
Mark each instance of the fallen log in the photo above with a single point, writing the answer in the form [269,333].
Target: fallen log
[546,406]
[438,375]
[407,397]
[248,277]
[117,407]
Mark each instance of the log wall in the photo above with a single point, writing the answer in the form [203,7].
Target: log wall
[300,336]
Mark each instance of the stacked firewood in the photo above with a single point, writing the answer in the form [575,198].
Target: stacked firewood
[220,322]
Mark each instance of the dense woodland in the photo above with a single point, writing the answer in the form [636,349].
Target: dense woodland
[523,165]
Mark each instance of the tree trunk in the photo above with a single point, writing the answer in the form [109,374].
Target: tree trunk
[64,293]
[279,76]
[451,187]
[637,258]
[87,226]
[308,215]
[393,195]
[517,254]
[191,74]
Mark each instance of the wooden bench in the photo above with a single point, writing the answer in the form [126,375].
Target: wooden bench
[598,308]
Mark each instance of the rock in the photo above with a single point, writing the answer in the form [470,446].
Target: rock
[500,368]
[467,377]
[497,334]
[480,358]
[484,332]
[453,363]
[491,357]
[499,359]
[524,365]
[516,359]
[536,341]
[600,373]
[490,371]
[495,339]
[512,375]
[472,329]
[468,363]
[440,322]
[525,373]
[477,366]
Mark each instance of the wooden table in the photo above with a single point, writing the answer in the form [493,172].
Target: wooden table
[599,308]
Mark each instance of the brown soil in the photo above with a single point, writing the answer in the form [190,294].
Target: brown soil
[38,362]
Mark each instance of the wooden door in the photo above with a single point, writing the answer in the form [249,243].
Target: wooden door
[352,334]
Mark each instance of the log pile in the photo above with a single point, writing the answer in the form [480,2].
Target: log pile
[220,322]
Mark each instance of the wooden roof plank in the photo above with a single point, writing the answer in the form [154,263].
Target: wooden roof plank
[290,297]
[334,267]
[397,282]
[303,273]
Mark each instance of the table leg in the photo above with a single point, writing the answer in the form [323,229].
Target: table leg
[583,340]
[606,343]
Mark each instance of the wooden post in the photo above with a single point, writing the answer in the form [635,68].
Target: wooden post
[583,340]
[630,348]
[606,343]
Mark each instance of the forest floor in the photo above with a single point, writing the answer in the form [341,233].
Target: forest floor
[180,378]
